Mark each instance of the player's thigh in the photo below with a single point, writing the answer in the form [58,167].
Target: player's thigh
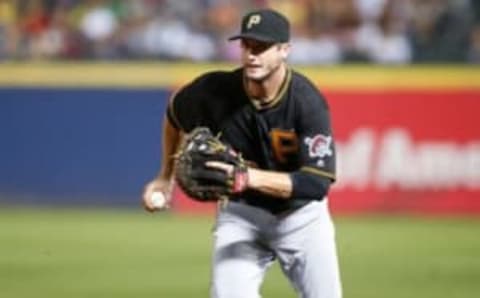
[239,262]
[309,259]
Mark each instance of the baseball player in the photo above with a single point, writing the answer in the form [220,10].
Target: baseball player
[277,119]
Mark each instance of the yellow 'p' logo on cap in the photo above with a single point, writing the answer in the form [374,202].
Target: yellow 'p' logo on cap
[253,20]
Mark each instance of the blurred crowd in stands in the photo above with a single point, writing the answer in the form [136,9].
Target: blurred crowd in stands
[324,31]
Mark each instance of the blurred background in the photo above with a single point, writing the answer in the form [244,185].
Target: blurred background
[83,91]
[325,31]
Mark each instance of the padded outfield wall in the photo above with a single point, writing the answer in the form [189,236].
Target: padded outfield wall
[408,137]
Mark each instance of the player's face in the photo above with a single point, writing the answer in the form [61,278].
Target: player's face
[261,59]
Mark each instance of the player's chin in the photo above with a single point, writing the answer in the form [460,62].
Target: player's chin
[255,74]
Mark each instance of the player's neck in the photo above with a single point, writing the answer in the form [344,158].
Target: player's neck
[266,90]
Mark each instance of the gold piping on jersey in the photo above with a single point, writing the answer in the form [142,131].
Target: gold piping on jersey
[318,172]
[281,92]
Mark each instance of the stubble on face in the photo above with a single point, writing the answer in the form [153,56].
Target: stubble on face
[260,60]
[261,73]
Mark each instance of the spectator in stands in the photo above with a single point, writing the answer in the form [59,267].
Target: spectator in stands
[326,31]
[98,25]
[382,38]
[8,30]
[440,31]
[314,40]
[474,50]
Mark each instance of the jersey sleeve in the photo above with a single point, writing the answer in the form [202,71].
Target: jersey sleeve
[186,109]
[316,141]
[179,106]
[171,112]
[317,146]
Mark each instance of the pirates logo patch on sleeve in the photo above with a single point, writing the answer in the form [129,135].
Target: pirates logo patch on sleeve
[319,146]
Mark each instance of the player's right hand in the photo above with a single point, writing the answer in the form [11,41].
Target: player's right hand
[156,185]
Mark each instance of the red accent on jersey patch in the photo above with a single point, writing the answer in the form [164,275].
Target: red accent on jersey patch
[319,146]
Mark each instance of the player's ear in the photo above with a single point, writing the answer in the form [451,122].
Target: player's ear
[285,50]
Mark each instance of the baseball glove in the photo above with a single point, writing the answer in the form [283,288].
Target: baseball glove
[203,183]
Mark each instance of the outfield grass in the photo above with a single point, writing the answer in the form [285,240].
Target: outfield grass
[127,253]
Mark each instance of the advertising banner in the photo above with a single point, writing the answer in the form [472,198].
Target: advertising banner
[407,151]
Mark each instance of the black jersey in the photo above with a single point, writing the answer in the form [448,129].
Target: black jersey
[291,134]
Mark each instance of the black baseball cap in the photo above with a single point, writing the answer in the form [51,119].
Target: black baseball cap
[264,25]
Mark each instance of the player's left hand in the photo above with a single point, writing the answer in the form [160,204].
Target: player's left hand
[207,169]
[227,168]
[238,178]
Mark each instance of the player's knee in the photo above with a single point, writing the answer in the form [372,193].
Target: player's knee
[236,279]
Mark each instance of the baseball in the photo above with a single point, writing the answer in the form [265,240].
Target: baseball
[158,200]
